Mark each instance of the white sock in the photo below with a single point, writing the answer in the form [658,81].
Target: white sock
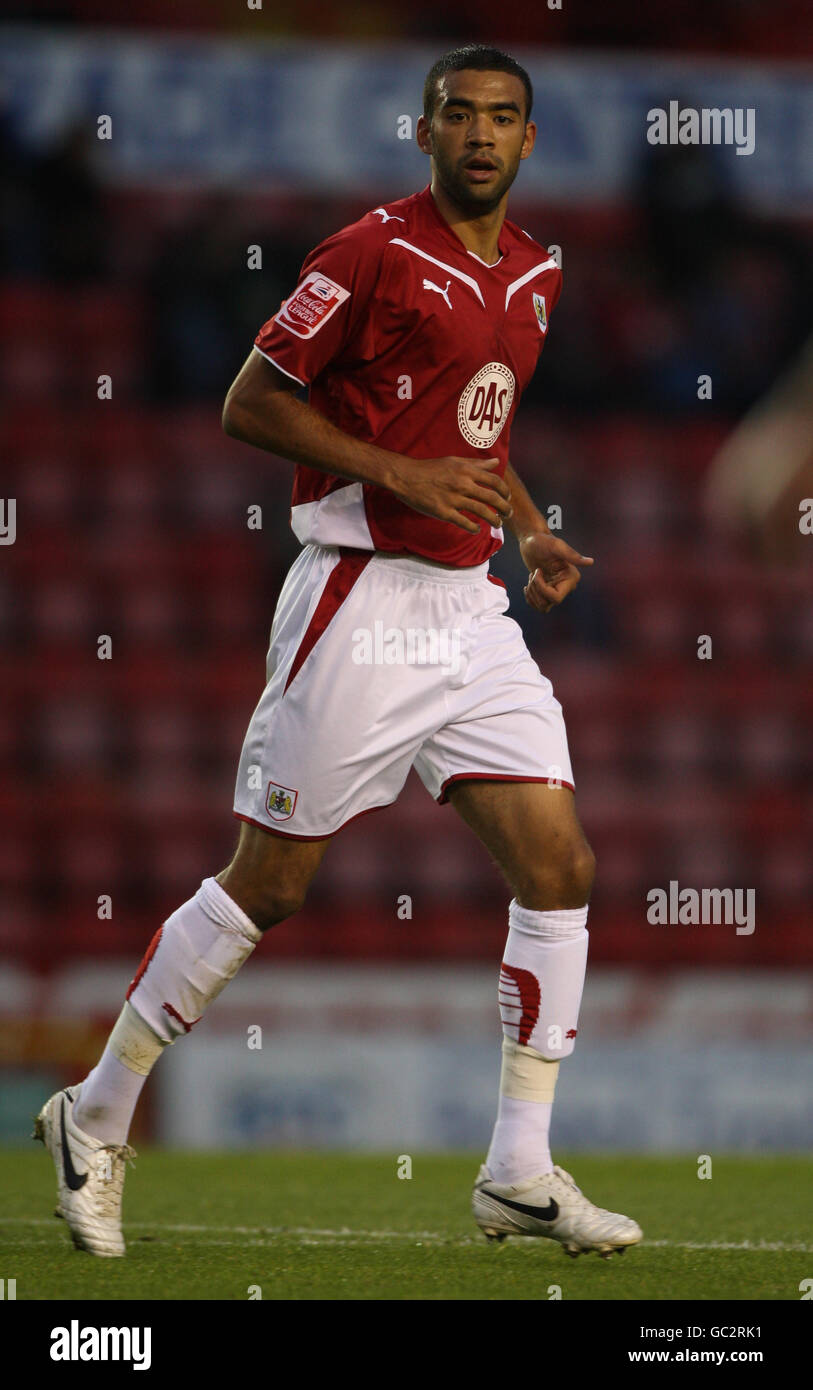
[542,978]
[520,1144]
[109,1097]
[541,984]
[189,961]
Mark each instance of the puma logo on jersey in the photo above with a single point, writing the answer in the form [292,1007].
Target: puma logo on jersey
[388,216]
[430,285]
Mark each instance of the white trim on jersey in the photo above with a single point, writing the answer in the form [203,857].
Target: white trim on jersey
[488,266]
[467,280]
[278,367]
[337,519]
[529,275]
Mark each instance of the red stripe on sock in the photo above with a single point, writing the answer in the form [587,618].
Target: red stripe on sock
[174,1012]
[148,955]
[530,999]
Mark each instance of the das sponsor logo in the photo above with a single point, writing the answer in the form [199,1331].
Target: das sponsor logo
[484,405]
[311,305]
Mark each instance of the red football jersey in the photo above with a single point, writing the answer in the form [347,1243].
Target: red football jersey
[408,341]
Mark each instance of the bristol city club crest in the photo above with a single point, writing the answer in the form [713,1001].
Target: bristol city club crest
[485,403]
[541,312]
[280,802]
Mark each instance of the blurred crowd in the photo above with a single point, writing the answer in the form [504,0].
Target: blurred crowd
[784,27]
[685,283]
[132,522]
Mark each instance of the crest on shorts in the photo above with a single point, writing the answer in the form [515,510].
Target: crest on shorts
[280,801]
[541,312]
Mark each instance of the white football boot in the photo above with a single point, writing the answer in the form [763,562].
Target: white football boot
[90,1176]
[553,1206]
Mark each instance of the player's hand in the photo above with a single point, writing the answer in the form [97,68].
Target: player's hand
[555,569]
[448,488]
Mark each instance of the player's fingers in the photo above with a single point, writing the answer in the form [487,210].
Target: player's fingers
[481,473]
[458,519]
[566,580]
[534,601]
[559,587]
[483,509]
[494,483]
[568,553]
[541,590]
[486,495]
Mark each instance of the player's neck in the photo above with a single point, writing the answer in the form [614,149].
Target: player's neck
[478,234]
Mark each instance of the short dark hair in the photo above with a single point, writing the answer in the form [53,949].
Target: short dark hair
[483,59]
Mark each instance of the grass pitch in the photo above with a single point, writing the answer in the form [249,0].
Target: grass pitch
[327,1226]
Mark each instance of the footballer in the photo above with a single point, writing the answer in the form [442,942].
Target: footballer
[415,331]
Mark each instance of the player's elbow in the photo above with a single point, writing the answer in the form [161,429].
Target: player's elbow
[234,417]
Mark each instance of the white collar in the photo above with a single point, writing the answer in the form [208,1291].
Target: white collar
[485,263]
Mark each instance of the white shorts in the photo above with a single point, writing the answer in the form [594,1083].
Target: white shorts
[379,663]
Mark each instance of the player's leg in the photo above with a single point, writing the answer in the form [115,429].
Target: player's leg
[191,958]
[533,832]
[269,875]
[310,762]
[502,758]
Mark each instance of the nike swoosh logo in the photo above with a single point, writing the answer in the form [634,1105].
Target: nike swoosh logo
[548,1213]
[72,1178]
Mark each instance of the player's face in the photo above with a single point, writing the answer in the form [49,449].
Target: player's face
[477,136]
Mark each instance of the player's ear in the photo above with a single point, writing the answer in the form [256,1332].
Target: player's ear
[529,141]
[423,135]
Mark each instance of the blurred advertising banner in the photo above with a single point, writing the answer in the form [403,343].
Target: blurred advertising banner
[405,1094]
[341,117]
[365,1058]
[402,1058]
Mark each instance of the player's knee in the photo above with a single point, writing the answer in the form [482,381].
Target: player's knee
[276,902]
[266,903]
[581,870]
[564,881]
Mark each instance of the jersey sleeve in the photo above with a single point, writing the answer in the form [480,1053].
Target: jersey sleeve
[318,321]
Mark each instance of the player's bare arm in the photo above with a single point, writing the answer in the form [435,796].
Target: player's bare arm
[554,565]
[262,409]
